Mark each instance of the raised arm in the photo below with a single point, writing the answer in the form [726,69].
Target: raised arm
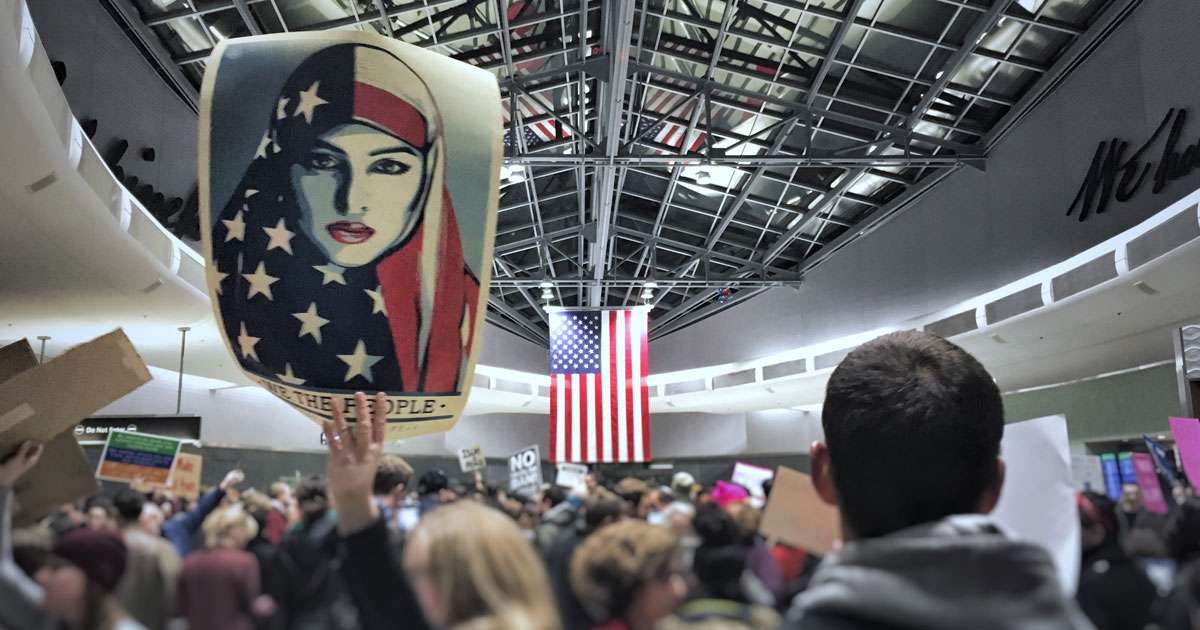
[372,569]
[20,597]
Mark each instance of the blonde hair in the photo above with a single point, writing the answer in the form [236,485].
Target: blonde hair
[613,563]
[221,525]
[485,573]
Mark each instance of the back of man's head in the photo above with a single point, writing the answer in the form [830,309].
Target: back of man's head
[129,505]
[601,507]
[392,473]
[913,426]
[554,495]
[312,496]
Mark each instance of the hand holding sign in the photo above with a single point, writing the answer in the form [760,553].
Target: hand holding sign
[354,455]
[19,463]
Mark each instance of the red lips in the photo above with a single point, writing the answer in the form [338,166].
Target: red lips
[350,232]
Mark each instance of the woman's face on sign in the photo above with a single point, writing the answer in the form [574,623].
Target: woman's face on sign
[355,189]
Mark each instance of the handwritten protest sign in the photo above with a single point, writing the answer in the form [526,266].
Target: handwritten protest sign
[471,459]
[185,478]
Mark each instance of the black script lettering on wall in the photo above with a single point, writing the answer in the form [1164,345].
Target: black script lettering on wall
[1113,175]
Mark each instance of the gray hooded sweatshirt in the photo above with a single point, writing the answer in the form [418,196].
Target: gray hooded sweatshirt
[960,573]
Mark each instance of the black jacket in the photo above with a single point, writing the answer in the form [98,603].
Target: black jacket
[558,565]
[1114,591]
[376,581]
[306,583]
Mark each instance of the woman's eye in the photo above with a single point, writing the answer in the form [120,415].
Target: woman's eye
[322,162]
[390,167]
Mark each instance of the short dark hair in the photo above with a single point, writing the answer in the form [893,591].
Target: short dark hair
[393,471]
[432,482]
[312,495]
[128,503]
[913,426]
[600,505]
[555,495]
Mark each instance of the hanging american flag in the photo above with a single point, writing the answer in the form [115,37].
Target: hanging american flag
[599,403]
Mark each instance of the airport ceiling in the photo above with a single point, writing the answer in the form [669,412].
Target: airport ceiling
[714,148]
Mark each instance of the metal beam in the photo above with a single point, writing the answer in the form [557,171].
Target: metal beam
[813,161]
[816,112]
[150,42]
[714,282]
[618,33]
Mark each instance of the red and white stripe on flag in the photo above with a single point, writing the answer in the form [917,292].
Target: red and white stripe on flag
[599,402]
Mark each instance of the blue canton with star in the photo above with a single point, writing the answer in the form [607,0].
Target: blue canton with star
[575,342]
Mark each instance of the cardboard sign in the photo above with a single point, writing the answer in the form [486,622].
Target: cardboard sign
[1187,440]
[1087,473]
[525,470]
[348,206]
[1037,502]
[43,402]
[185,478]
[796,516]
[471,459]
[137,456]
[751,477]
[1112,476]
[571,475]
[1147,480]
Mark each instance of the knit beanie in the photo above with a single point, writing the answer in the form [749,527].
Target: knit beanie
[99,554]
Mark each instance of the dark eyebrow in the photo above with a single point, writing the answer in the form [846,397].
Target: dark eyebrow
[329,147]
[400,148]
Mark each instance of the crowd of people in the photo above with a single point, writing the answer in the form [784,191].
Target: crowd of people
[911,458]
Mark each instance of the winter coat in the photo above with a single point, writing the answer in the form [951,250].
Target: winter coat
[1114,591]
[306,583]
[957,573]
[721,614]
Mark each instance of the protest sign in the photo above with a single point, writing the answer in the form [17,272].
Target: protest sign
[43,403]
[1087,473]
[1187,439]
[348,206]
[471,459]
[1147,479]
[571,475]
[185,478]
[1037,502]
[751,477]
[796,516]
[137,456]
[1112,476]
[1164,464]
[525,470]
